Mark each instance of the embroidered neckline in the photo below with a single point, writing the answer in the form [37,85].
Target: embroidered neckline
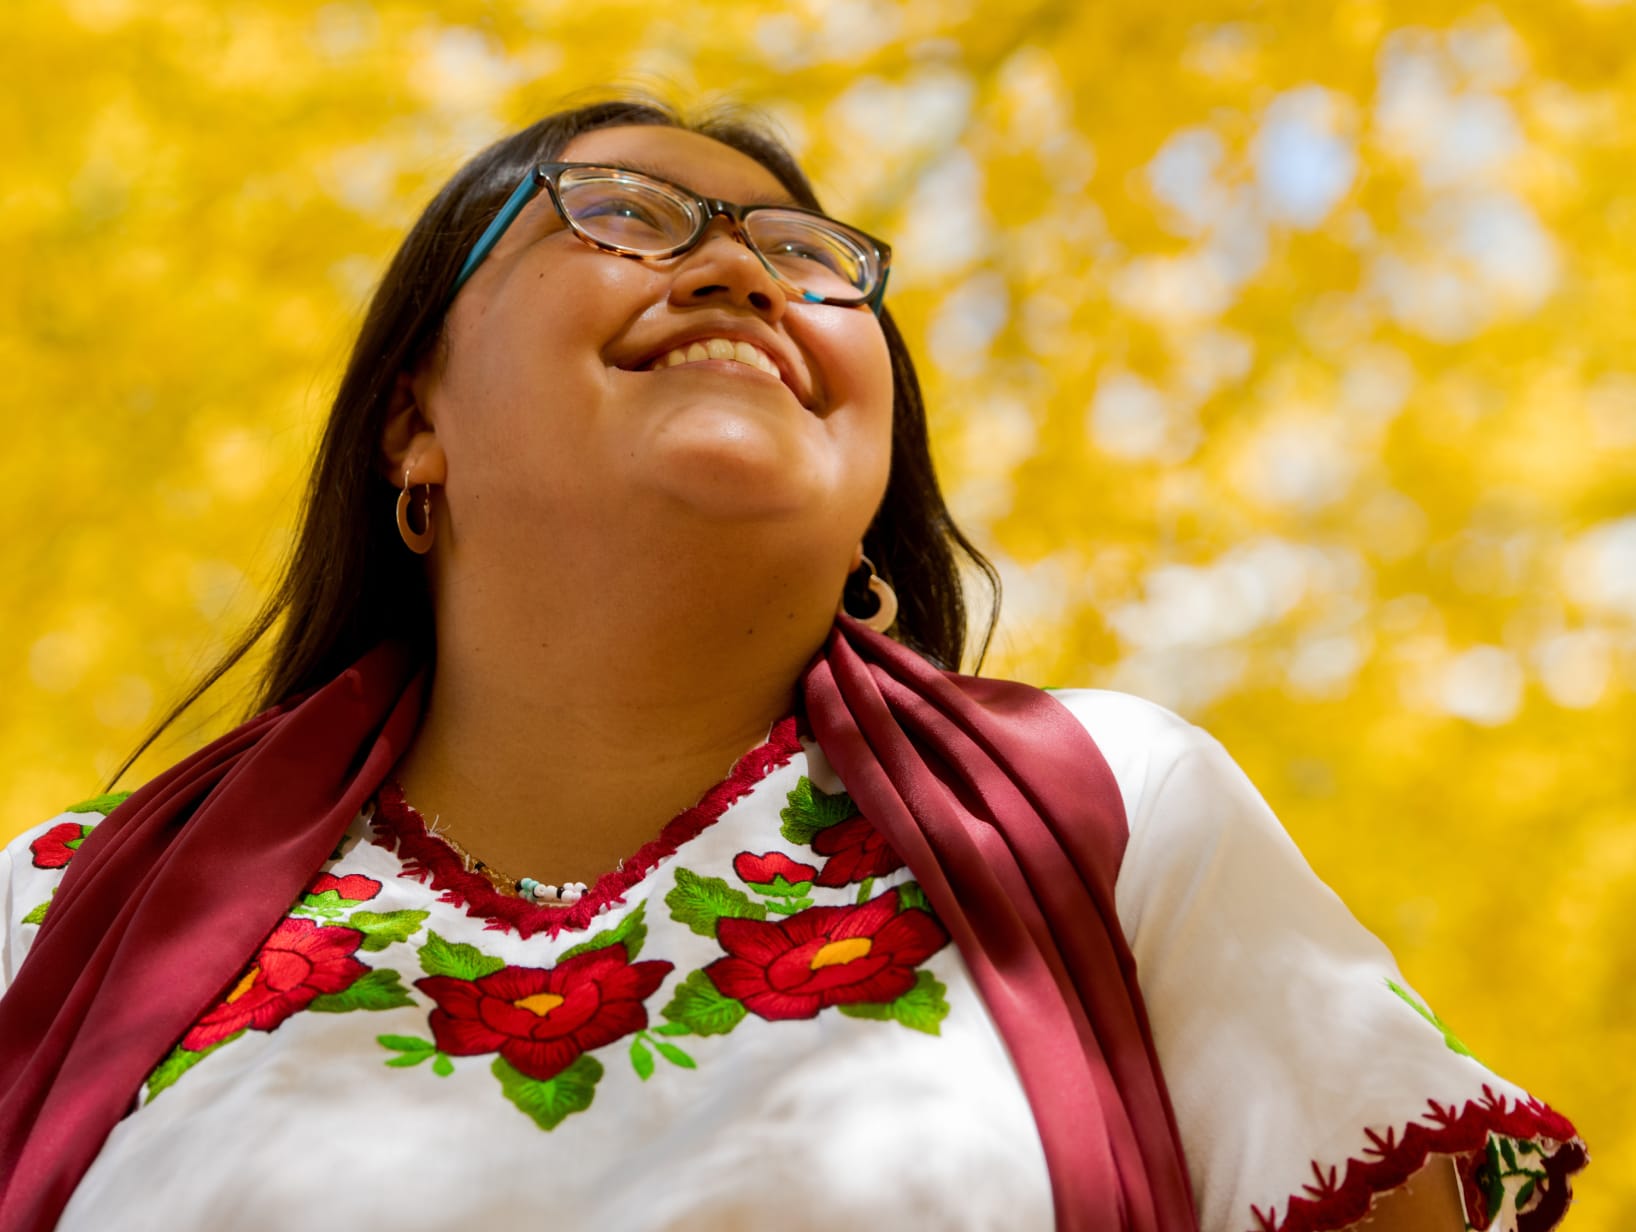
[428,858]
[1334,1201]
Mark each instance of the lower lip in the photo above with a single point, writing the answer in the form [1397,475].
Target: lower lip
[723,365]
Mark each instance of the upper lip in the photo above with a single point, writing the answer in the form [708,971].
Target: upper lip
[790,369]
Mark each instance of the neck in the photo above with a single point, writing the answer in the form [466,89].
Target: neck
[570,717]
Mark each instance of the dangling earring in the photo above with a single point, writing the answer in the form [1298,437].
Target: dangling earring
[886,601]
[418,542]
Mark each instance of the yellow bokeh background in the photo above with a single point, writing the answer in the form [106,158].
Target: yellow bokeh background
[1281,356]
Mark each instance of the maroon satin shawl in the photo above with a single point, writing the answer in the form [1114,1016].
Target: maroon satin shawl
[997,799]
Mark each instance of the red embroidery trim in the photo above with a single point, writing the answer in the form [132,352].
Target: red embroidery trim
[427,857]
[1335,1203]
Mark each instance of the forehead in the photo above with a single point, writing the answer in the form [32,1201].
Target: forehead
[701,163]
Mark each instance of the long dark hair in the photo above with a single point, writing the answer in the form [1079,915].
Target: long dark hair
[348,582]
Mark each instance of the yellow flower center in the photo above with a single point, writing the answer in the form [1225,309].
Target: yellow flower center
[842,951]
[244,985]
[541,1003]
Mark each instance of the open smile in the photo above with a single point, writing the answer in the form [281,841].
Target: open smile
[738,352]
[729,351]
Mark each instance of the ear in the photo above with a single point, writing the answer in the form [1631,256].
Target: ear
[857,561]
[408,441]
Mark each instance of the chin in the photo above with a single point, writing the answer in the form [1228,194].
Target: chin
[736,466]
[723,490]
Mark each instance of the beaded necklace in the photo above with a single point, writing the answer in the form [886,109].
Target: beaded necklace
[569,893]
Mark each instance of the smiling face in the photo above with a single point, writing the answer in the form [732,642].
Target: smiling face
[584,394]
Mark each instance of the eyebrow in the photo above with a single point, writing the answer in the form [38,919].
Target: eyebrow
[631,164]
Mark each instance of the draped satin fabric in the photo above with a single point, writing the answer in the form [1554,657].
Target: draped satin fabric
[994,795]
[1004,809]
[164,905]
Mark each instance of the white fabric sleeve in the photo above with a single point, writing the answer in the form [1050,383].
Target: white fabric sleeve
[31,867]
[1306,1074]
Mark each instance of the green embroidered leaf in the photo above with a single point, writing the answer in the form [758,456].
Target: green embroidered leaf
[1449,1038]
[1507,1154]
[462,961]
[881,1010]
[1523,1194]
[406,1043]
[700,1008]
[911,896]
[811,809]
[641,1060]
[381,929]
[671,1028]
[547,1103]
[103,804]
[415,1050]
[922,1008]
[674,1055]
[630,932]
[1493,1183]
[37,915]
[327,905]
[789,906]
[867,885]
[377,990]
[699,902]
[779,888]
[178,1063]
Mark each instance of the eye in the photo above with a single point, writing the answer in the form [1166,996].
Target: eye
[622,209]
[626,212]
[796,250]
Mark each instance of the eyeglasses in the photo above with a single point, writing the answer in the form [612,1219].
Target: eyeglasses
[814,258]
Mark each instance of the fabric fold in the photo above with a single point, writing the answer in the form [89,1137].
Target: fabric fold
[1003,807]
[163,906]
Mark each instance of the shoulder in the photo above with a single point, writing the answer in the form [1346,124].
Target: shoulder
[1142,742]
[50,845]
[32,866]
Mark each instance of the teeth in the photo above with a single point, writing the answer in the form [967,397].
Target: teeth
[719,348]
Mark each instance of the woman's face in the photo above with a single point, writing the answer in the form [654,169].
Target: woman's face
[556,413]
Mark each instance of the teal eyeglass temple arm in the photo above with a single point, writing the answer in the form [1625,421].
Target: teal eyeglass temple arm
[520,196]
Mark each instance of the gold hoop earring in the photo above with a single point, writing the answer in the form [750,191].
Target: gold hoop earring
[418,542]
[886,602]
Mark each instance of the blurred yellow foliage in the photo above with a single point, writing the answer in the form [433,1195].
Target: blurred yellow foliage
[1282,356]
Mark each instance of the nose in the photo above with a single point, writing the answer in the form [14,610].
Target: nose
[722,264]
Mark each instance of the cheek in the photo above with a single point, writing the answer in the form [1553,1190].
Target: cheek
[854,364]
[525,372]
[861,369]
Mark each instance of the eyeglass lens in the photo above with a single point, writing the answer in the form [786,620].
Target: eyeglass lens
[639,215]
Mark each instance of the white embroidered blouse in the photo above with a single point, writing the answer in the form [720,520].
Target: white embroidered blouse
[768,1027]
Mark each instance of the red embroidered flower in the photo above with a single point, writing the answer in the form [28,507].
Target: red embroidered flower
[856,851]
[764,870]
[824,956]
[56,847]
[299,962]
[541,1019]
[353,888]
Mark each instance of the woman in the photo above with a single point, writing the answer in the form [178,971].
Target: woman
[938,951]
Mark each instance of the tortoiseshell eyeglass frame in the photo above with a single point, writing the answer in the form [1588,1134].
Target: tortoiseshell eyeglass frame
[544,175]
